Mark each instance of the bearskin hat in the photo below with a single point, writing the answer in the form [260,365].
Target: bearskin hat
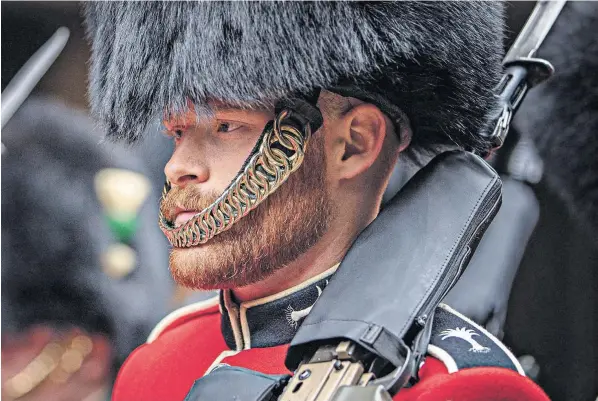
[55,233]
[436,61]
[561,115]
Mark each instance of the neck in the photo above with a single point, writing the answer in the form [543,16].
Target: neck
[329,251]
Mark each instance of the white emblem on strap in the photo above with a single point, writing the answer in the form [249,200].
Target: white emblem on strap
[467,335]
[293,316]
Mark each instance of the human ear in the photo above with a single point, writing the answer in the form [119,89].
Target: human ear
[362,139]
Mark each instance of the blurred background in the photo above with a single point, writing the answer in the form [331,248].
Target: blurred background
[551,320]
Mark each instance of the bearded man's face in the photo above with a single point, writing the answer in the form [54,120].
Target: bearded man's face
[283,227]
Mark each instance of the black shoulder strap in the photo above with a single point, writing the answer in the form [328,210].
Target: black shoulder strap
[414,250]
[460,343]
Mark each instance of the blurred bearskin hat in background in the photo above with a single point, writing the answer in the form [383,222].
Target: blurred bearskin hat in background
[436,61]
[73,254]
[561,115]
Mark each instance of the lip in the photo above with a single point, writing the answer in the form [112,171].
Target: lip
[181,216]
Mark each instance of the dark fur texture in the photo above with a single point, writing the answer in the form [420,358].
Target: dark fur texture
[436,61]
[54,233]
[561,115]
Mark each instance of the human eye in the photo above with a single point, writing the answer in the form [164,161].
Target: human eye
[175,135]
[228,126]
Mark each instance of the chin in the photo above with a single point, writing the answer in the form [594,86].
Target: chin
[190,267]
[211,266]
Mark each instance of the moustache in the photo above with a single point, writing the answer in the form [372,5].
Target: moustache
[188,198]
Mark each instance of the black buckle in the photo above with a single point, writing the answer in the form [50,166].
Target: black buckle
[520,76]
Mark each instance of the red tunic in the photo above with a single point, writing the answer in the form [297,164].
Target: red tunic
[193,340]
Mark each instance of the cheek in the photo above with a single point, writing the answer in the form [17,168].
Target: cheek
[226,157]
[331,155]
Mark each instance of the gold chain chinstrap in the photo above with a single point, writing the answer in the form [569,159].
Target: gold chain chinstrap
[280,153]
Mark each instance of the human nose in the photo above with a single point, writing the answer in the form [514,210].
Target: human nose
[186,167]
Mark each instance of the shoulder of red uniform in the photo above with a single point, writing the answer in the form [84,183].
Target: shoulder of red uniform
[468,363]
[471,384]
[183,315]
[173,356]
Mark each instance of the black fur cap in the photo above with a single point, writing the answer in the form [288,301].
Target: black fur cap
[54,233]
[437,61]
[561,115]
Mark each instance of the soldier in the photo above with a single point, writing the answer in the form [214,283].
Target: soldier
[392,81]
[82,268]
[561,115]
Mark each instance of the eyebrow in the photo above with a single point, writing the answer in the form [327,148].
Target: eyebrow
[240,113]
[210,110]
[223,106]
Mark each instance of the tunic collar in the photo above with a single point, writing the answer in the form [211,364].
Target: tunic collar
[273,320]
